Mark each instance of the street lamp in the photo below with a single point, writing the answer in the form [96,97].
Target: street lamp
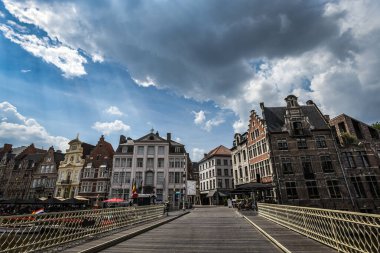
[184,187]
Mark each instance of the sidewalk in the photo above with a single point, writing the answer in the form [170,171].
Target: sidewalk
[113,239]
[292,241]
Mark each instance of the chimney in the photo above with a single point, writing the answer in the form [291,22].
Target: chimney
[7,147]
[204,155]
[168,136]
[122,139]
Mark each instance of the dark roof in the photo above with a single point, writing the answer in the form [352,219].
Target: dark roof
[275,117]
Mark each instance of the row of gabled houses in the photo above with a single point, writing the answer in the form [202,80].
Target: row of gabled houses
[155,165]
[296,155]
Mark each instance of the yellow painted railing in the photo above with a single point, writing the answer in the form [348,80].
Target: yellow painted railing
[344,231]
[37,233]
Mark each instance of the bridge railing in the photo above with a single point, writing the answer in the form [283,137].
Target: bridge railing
[29,233]
[344,231]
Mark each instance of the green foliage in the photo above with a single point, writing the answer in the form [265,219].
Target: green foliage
[376,125]
[349,139]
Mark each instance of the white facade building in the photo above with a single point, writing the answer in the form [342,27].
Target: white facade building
[155,164]
[215,176]
[240,159]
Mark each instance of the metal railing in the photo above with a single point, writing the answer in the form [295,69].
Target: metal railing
[343,231]
[38,232]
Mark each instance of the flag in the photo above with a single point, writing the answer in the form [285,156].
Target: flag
[39,211]
[134,191]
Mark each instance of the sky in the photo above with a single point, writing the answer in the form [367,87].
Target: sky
[192,68]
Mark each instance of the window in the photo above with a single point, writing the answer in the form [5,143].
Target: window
[244,156]
[373,186]
[127,178]
[218,162]
[171,177]
[220,183]
[140,162]
[326,163]
[297,128]
[320,141]
[117,162]
[115,178]
[225,172]
[307,168]
[363,159]
[139,177]
[225,162]
[312,189]
[359,188]
[161,150]
[264,145]
[160,178]
[160,162]
[124,149]
[291,190]
[149,178]
[219,172]
[177,149]
[123,162]
[159,194]
[140,150]
[86,187]
[286,165]
[150,150]
[301,143]
[348,160]
[171,162]
[103,171]
[129,162]
[150,163]
[246,172]
[333,187]
[240,172]
[100,187]
[257,133]
[178,177]
[227,183]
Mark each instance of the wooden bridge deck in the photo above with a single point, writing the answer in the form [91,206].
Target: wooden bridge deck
[216,229]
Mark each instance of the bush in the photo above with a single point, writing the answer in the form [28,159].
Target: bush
[348,139]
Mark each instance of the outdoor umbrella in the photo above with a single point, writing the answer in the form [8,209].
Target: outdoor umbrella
[113,200]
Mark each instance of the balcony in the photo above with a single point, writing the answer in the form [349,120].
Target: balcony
[67,181]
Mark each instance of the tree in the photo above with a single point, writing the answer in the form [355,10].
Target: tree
[349,139]
[376,125]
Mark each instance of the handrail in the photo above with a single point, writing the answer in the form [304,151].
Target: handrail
[341,230]
[38,232]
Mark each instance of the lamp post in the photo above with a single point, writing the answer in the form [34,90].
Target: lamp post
[184,195]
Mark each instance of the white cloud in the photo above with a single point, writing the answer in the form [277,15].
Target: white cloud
[145,82]
[197,154]
[213,123]
[65,58]
[177,139]
[240,126]
[2,15]
[110,127]
[25,70]
[199,117]
[20,130]
[113,110]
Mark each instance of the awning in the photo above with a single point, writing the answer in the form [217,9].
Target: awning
[211,193]
[254,185]
[221,194]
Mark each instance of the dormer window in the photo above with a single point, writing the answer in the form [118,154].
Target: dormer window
[177,149]
[73,147]
[297,127]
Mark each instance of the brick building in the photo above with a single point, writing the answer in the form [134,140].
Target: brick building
[359,152]
[45,175]
[96,174]
[293,149]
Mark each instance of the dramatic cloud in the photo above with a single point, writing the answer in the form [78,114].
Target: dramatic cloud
[20,130]
[236,53]
[113,110]
[111,127]
[63,57]
[197,154]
